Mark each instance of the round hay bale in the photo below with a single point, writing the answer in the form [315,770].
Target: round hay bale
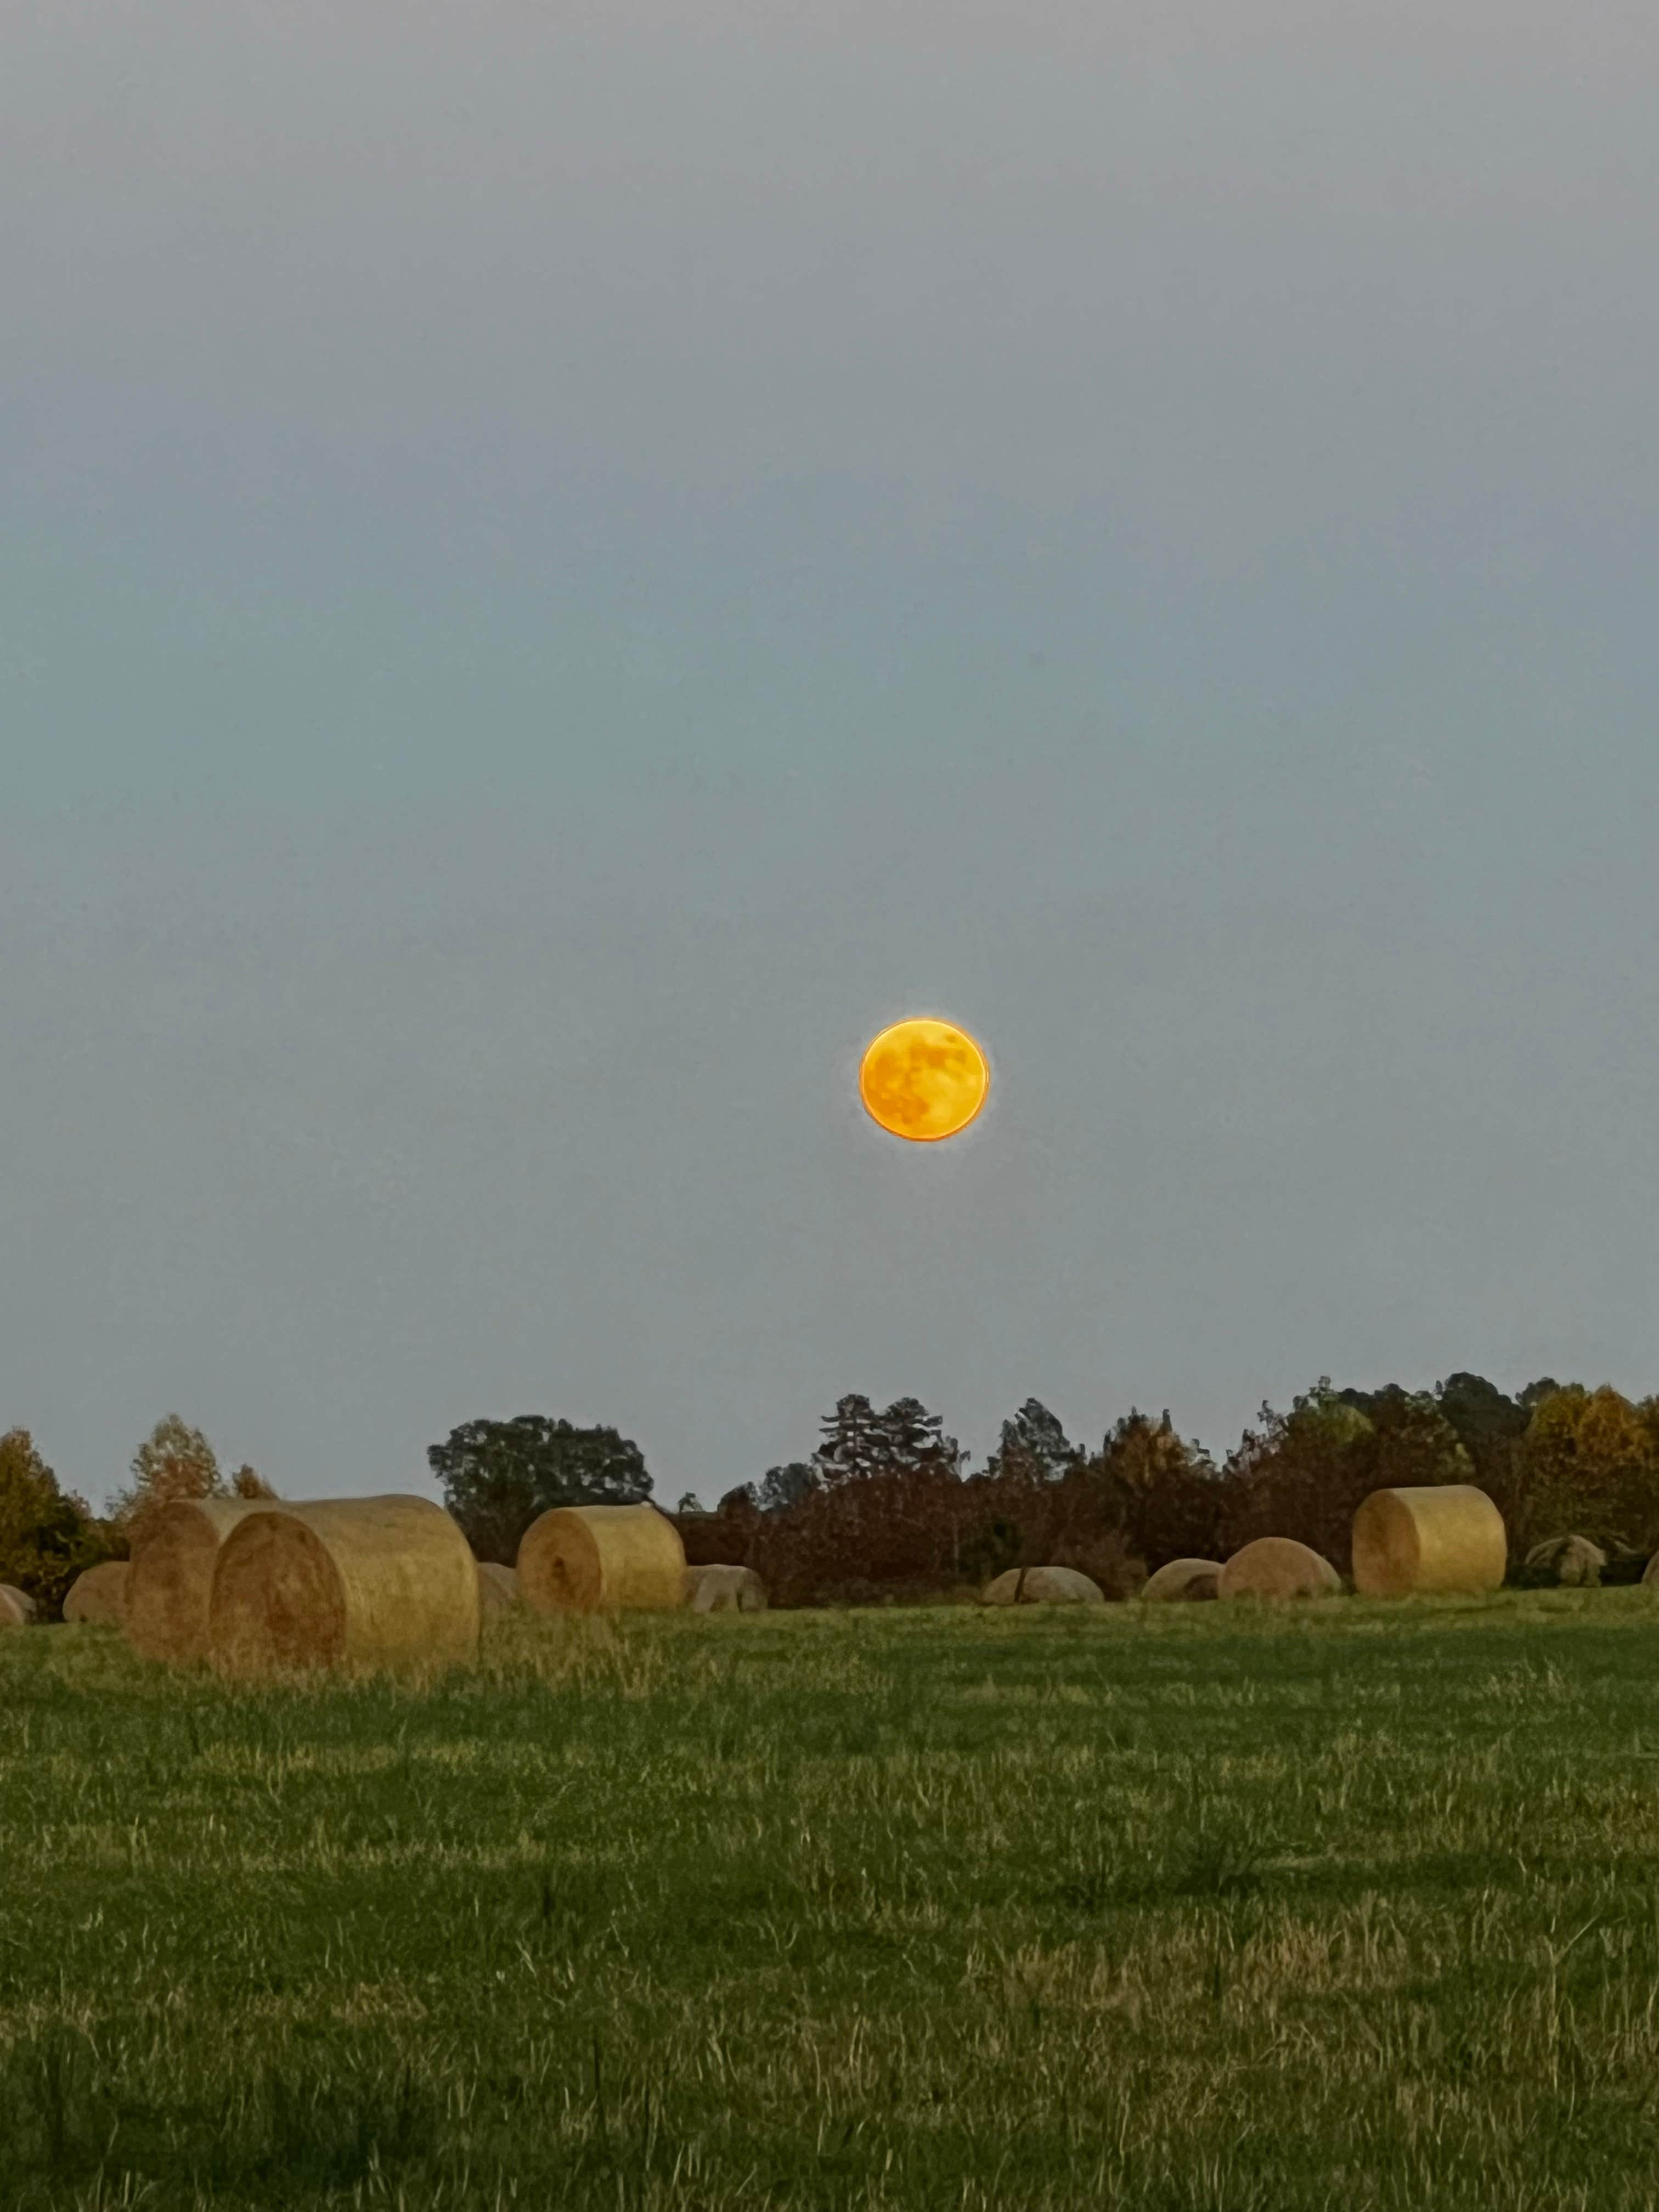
[1448,1537]
[593,1558]
[343,1581]
[100,1593]
[1571,1562]
[1042,1586]
[1182,1581]
[1277,1568]
[1059,1586]
[498,1588]
[17,1607]
[1005,1590]
[172,1574]
[1650,1572]
[724,1590]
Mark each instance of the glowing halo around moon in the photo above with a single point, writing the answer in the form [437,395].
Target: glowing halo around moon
[923,1080]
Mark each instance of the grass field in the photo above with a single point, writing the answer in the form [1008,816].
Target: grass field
[1195,1909]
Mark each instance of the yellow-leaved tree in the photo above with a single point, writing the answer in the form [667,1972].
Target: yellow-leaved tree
[174,1463]
[47,1535]
[1590,1467]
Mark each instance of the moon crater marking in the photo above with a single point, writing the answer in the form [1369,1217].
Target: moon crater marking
[923,1079]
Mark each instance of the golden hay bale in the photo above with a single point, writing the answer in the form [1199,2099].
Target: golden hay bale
[100,1593]
[1446,1538]
[172,1574]
[1650,1572]
[589,1558]
[1182,1581]
[346,1581]
[724,1590]
[1042,1586]
[1572,1561]
[17,1607]
[1276,1568]
[498,1588]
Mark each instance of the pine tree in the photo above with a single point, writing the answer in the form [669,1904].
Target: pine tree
[1034,1445]
[850,1450]
[914,1440]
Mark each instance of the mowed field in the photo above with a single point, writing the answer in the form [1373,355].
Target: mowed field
[1198,1908]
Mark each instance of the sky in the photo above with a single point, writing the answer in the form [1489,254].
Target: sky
[561,567]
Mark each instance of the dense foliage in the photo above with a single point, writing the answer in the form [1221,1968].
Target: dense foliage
[47,1535]
[887,1505]
[884,1506]
[497,1476]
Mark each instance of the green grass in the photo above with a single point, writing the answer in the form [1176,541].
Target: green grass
[1192,1910]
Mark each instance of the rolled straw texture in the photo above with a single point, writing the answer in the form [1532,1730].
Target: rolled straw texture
[1182,1581]
[1278,1567]
[1448,1538]
[498,1588]
[724,1590]
[592,1559]
[1042,1586]
[100,1593]
[358,1581]
[170,1576]
[16,1606]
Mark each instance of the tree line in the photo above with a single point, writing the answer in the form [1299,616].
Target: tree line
[887,1504]
[49,1535]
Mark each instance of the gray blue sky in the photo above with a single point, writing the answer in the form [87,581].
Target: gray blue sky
[559,568]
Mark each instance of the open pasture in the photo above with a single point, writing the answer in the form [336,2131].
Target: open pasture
[1187,1908]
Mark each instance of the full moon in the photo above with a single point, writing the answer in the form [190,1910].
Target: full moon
[923,1080]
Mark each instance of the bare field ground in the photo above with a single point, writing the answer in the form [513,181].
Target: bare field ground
[1204,1909]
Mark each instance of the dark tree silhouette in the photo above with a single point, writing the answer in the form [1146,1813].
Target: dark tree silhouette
[1033,1446]
[851,1447]
[780,1488]
[498,1475]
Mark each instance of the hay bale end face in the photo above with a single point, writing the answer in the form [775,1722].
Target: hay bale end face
[1570,1562]
[1042,1586]
[1447,1538]
[344,1582]
[610,1558]
[17,1607]
[498,1588]
[724,1590]
[1277,1568]
[170,1576]
[99,1594]
[1182,1581]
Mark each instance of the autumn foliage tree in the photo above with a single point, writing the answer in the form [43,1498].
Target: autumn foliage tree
[885,1506]
[1164,1493]
[47,1535]
[1303,1474]
[174,1463]
[1589,1466]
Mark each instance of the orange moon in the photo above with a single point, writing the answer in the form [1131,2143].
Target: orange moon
[923,1080]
